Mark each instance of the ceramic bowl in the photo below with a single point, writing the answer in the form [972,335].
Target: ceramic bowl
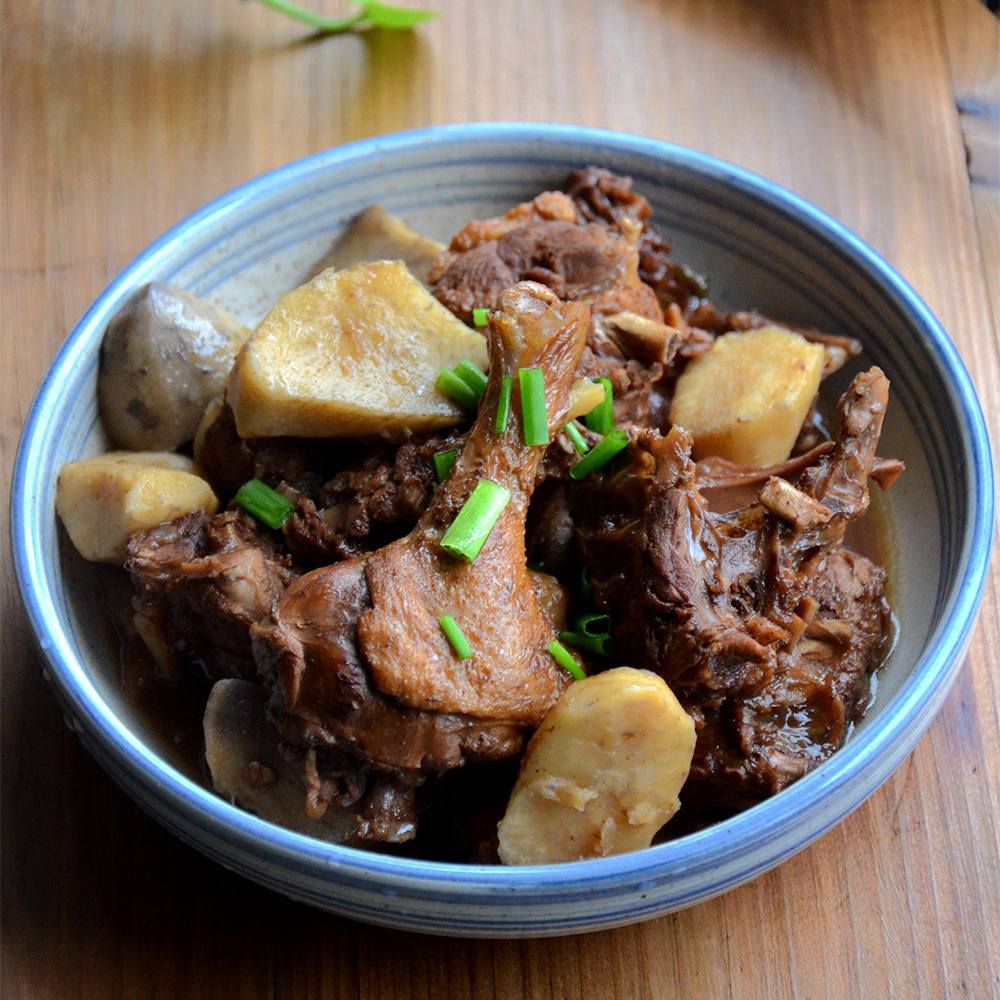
[762,246]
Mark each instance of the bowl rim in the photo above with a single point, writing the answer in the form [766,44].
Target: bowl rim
[840,784]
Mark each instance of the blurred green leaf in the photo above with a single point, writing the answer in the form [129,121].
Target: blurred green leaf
[386,16]
[372,13]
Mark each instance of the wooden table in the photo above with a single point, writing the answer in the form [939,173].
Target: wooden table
[120,118]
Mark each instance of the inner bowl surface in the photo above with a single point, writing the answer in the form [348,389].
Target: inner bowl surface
[761,246]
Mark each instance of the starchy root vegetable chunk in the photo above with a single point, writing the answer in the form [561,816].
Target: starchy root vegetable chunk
[584,395]
[241,750]
[603,772]
[378,235]
[351,353]
[164,356]
[102,500]
[746,398]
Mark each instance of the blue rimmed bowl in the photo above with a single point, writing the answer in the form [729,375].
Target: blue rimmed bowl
[761,246]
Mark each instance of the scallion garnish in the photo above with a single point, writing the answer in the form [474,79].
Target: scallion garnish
[595,624]
[534,419]
[443,461]
[479,317]
[586,590]
[565,660]
[372,14]
[503,406]
[600,645]
[458,641]
[579,442]
[458,389]
[600,455]
[472,377]
[475,520]
[601,419]
[259,499]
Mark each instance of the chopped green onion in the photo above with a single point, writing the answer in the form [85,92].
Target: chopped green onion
[457,389]
[600,645]
[479,317]
[601,455]
[475,520]
[534,420]
[565,660]
[536,567]
[458,641]
[601,419]
[443,461]
[595,624]
[503,406]
[472,377]
[586,590]
[579,442]
[259,499]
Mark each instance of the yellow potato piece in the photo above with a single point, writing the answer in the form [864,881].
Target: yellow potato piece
[603,772]
[102,500]
[584,395]
[352,353]
[378,235]
[746,398]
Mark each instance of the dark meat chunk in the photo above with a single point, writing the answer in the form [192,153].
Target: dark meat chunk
[572,249]
[354,653]
[200,583]
[602,195]
[719,473]
[765,627]
[349,736]
[580,262]
[641,395]
[228,461]
[368,504]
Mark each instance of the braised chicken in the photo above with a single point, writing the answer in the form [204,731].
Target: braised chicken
[760,622]
[354,652]
[665,511]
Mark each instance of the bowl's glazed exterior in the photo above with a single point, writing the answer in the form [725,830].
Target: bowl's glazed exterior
[762,246]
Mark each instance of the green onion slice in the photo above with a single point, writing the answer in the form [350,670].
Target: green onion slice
[458,641]
[479,317]
[259,499]
[586,590]
[595,624]
[565,660]
[579,442]
[503,406]
[601,419]
[472,377]
[458,389]
[443,461]
[475,520]
[600,455]
[534,419]
[600,645]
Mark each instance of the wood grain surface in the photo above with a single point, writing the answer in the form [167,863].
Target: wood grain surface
[119,118]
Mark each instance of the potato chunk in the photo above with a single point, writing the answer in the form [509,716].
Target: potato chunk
[378,235]
[352,353]
[102,500]
[603,772]
[163,357]
[241,750]
[746,398]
